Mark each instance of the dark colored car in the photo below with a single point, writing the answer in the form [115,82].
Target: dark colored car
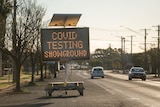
[137,72]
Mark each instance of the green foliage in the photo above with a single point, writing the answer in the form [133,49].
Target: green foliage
[113,59]
[95,62]
[108,58]
[138,59]
[153,59]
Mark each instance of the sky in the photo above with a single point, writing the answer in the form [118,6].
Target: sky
[109,20]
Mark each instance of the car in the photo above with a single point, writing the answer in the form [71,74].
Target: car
[137,72]
[97,72]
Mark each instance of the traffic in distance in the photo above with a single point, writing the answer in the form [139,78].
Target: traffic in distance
[97,72]
[134,72]
[137,72]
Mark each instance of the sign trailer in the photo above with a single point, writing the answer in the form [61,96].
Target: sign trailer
[65,44]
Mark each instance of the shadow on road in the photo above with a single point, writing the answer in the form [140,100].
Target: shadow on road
[29,105]
[59,97]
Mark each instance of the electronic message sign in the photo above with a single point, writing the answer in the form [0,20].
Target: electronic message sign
[65,44]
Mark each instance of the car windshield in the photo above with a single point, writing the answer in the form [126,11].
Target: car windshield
[98,69]
[137,70]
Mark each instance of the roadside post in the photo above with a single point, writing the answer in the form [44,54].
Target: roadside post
[64,44]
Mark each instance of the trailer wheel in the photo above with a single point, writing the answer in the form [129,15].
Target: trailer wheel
[50,94]
[81,92]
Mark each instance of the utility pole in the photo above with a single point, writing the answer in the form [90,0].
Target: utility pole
[145,56]
[158,49]
[132,43]
[131,47]
[124,40]
[145,37]
[122,51]
[122,45]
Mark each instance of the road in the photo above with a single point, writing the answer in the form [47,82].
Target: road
[112,91]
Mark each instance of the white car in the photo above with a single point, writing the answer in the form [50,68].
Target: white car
[97,72]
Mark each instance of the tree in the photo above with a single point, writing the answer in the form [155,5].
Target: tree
[109,58]
[5,9]
[23,34]
[153,59]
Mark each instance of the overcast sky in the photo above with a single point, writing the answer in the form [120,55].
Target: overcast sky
[105,19]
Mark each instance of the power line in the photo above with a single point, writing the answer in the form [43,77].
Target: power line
[131,30]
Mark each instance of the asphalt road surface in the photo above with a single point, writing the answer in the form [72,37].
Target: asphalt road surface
[99,92]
